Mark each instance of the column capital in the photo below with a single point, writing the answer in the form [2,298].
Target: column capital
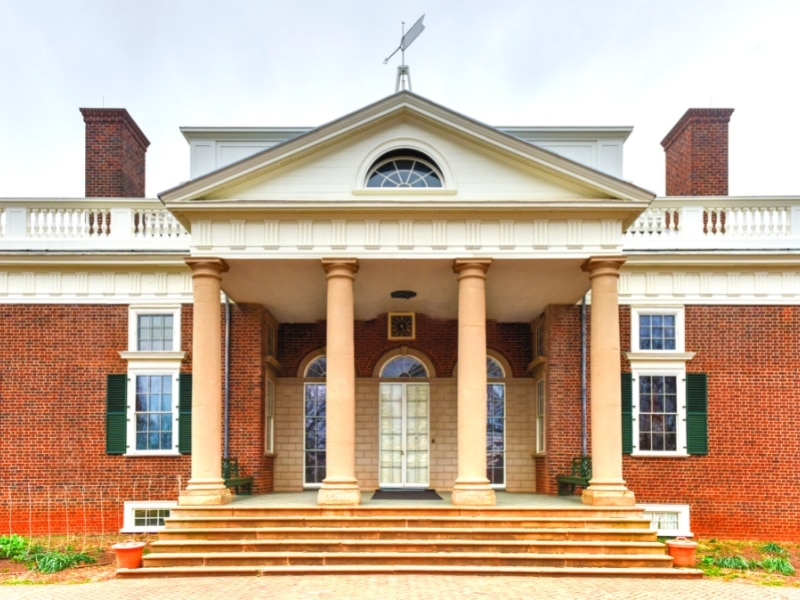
[471,267]
[340,267]
[206,266]
[603,265]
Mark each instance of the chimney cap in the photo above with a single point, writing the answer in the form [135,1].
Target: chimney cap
[696,115]
[115,115]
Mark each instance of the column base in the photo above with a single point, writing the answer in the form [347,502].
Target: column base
[620,496]
[205,493]
[339,493]
[473,494]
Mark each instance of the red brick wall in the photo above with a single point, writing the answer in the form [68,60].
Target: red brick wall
[746,486]
[57,475]
[115,154]
[697,153]
[53,366]
[436,338]
[562,393]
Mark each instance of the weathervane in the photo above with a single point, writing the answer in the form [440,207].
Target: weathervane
[403,72]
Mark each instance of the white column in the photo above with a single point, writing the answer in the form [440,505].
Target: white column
[472,487]
[340,486]
[206,485]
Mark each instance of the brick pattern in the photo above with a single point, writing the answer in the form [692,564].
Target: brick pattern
[55,359]
[744,487]
[115,154]
[697,153]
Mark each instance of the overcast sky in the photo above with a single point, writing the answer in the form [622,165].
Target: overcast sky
[306,62]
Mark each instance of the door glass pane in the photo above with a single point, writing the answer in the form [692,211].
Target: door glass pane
[404,434]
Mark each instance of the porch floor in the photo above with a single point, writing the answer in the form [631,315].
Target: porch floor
[308,498]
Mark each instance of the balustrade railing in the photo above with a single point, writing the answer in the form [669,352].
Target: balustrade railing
[672,223]
[706,223]
[97,224]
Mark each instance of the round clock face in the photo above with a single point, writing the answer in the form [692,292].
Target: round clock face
[402,326]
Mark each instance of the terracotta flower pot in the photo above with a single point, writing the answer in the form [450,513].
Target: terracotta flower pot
[682,552]
[129,554]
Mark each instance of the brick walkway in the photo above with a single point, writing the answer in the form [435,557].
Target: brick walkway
[399,587]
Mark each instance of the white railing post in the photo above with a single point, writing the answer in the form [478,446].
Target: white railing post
[794,226]
[691,224]
[121,224]
[16,222]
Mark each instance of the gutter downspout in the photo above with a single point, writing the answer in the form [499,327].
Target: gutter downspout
[584,437]
[226,380]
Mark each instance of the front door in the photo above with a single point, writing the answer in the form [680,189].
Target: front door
[404,435]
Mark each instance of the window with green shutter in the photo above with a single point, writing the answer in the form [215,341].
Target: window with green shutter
[185,414]
[650,416]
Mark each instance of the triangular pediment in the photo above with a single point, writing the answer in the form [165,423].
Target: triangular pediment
[482,167]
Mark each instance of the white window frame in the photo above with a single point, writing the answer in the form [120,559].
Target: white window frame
[682,510]
[162,362]
[269,417]
[669,370]
[676,311]
[134,312]
[129,518]
[660,362]
[541,410]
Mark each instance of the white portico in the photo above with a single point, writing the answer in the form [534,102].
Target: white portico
[504,229]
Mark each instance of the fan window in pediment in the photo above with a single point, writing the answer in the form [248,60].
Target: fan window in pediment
[404,169]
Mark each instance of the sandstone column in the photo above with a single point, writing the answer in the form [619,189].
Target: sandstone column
[340,486]
[206,485]
[472,487]
[606,488]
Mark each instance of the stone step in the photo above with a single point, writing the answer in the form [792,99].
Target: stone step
[418,546]
[476,521]
[399,533]
[416,559]
[406,511]
[212,571]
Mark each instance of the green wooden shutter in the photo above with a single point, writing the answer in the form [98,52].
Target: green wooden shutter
[697,413]
[627,413]
[185,414]
[116,414]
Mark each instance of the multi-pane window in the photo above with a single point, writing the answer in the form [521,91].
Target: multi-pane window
[655,412]
[495,423]
[314,409]
[540,444]
[657,332]
[269,418]
[154,332]
[404,366]
[658,413]
[150,518]
[154,413]
[404,172]
[538,339]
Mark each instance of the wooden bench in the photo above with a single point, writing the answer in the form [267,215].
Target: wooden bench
[230,473]
[580,475]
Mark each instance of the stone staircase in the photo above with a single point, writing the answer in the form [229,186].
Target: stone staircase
[260,540]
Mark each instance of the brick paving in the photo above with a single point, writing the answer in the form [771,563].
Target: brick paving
[398,587]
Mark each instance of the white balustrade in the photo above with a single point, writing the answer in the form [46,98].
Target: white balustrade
[96,224]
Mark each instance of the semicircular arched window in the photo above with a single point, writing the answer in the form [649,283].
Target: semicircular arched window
[403,367]
[404,169]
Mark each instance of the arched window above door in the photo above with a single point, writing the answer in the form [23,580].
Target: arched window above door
[494,370]
[317,367]
[404,366]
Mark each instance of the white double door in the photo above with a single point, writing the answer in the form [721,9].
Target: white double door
[404,435]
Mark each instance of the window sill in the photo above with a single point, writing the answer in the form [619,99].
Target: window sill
[660,455]
[144,454]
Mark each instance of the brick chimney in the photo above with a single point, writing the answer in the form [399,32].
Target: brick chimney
[697,153]
[115,149]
